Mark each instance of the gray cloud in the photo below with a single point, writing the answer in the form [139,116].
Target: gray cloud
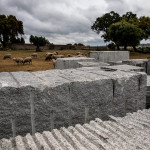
[67,21]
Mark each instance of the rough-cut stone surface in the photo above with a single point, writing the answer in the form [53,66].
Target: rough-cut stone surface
[137,62]
[107,56]
[131,132]
[92,64]
[124,68]
[104,92]
[112,63]
[148,92]
[121,89]
[71,62]
[148,67]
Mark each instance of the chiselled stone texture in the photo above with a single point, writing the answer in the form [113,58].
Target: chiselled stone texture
[104,92]
[112,63]
[124,68]
[131,132]
[92,64]
[108,56]
[148,92]
[138,62]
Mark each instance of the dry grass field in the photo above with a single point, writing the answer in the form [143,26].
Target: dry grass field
[134,55]
[39,63]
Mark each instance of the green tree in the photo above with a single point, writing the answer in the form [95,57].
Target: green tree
[144,24]
[38,41]
[80,44]
[125,34]
[10,29]
[18,40]
[22,41]
[102,24]
[129,16]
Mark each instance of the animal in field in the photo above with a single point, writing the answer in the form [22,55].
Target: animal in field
[57,56]
[49,56]
[69,55]
[27,60]
[80,56]
[78,53]
[18,60]
[34,55]
[54,62]
[55,53]
[7,56]
[48,53]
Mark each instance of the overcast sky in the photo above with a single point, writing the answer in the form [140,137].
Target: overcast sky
[68,21]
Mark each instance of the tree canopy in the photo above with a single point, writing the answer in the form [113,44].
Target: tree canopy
[10,29]
[125,34]
[144,24]
[78,44]
[38,41]
[129,16]
[112,22]
[102,24]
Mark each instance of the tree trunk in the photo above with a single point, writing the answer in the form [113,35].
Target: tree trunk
[125,47]
[38,49]
[4,45]
[118,48]
[134,47]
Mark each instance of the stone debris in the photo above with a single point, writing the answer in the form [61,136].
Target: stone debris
[126,133]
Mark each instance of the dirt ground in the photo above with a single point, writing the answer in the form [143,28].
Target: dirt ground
[39,63]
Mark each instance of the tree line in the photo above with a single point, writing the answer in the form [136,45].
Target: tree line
[10,30]
[125,30]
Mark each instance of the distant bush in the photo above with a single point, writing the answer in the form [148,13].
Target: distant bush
[111,46]
[143,49]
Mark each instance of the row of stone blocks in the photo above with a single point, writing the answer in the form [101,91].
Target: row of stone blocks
[131,132]
[105,58]
[104,92]
[109,56]
[97,58]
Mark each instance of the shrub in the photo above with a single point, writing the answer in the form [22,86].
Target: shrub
[111,46]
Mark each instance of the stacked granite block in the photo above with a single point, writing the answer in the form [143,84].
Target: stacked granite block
[137,62]
[108,56]
[124,68]
[64,91]
[71,62]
